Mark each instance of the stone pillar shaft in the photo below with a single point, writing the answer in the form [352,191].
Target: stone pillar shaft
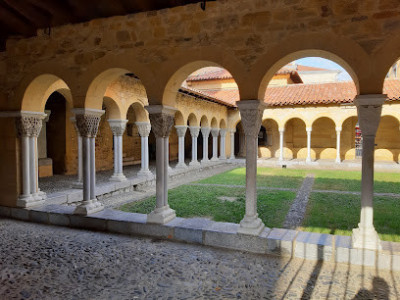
[162,120]
[232,156]
[281,134]
[338,131]
[308,129]
[215,133]
[369,108]
[118,129]
[181,131]
[79,182]
[87,121]
[251,112]
[205,131]
[194,132]
[144,129]
[222,144]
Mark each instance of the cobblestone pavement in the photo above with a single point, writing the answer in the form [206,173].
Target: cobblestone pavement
[296,213]
[45,262]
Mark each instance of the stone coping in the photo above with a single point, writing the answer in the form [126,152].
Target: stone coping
[275,241]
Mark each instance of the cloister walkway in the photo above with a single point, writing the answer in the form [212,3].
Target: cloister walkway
[47,262]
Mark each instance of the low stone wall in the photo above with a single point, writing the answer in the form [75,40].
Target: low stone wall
[275,241]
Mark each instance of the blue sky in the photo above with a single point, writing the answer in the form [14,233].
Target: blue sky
[324,63]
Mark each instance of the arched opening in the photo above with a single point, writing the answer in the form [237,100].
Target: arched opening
[295,139]
[268,139]
[323,138]
[387,140]
[349,138]
[240,141]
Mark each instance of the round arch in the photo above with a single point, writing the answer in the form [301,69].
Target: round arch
[113,109]
[318,117]
[214,123]
[222,124]
[192,120]
[204,122]
[179,119]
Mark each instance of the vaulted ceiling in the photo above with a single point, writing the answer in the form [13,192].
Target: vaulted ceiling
[24,17]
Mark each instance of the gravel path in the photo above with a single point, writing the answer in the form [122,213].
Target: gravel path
[296,213]
[45,262]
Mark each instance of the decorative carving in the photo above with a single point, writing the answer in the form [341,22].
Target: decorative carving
[251,112]
[144,128]
[222,132]
[215,132]
[181,130]
[194,131]
[205,131]
[117,126]
[88,124]
[162,124]
[29,125]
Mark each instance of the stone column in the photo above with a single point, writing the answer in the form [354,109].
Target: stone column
[281,133]
[369,109]
[205,131]
[222,150]
[79,182]
[87,121]
[251,112]
[162,120]
[308,159]
[194,132]
[118,129]
[215,133]
[28,128]
[144,129]
[338,131]
[232,132]
[181,131]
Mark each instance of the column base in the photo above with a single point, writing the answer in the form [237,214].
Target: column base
[77,185]
[181,166]
[89,207]
[338,161]
[251,225]
[39,196]
[308,160]
[161,215]
[26,201]
[194,163]
[222,158]
[214,159]
[145,174]
[205,161]
[366,238]
[232,158]
[118,177]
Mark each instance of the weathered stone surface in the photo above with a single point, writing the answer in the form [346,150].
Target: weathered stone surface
[280,241]
[191,230]
[314,246]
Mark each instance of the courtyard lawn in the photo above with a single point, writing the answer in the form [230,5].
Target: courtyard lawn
[266,177]
[198,201]
[351,181]
[339,214]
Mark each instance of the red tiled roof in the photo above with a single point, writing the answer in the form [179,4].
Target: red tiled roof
[301,68]
[308,94]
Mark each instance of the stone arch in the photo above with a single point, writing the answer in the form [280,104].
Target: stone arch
[192,120]
[295,137]
[272,146]
[204,122]
[323,138]
[222,124]
[214,123]
[179,119]
[114,111]
[40,89]
[387,139]
[340,51]
[182,70]
[141,114]
[315,118]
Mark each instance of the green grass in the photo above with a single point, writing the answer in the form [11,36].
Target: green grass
[197,201]
[339,214]
[266,177]
[351,181]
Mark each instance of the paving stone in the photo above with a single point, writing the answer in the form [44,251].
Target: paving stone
[20,214]
[59,219]
[74,196]
[280,241]
[87,223]
[39,216]
[314,246]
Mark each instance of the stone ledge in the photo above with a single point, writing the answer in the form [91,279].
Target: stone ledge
[283,242]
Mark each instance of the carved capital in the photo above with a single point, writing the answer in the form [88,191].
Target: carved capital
[181,130]
[194,131]
[117,126]
[232,131]
[144,128]
[88,121]
[222,132]
[29,124]
[205,131]
[161,119]
[215,132]
[369,108]
[251,112]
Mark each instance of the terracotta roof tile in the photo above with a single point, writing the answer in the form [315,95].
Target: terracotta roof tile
[308,94]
